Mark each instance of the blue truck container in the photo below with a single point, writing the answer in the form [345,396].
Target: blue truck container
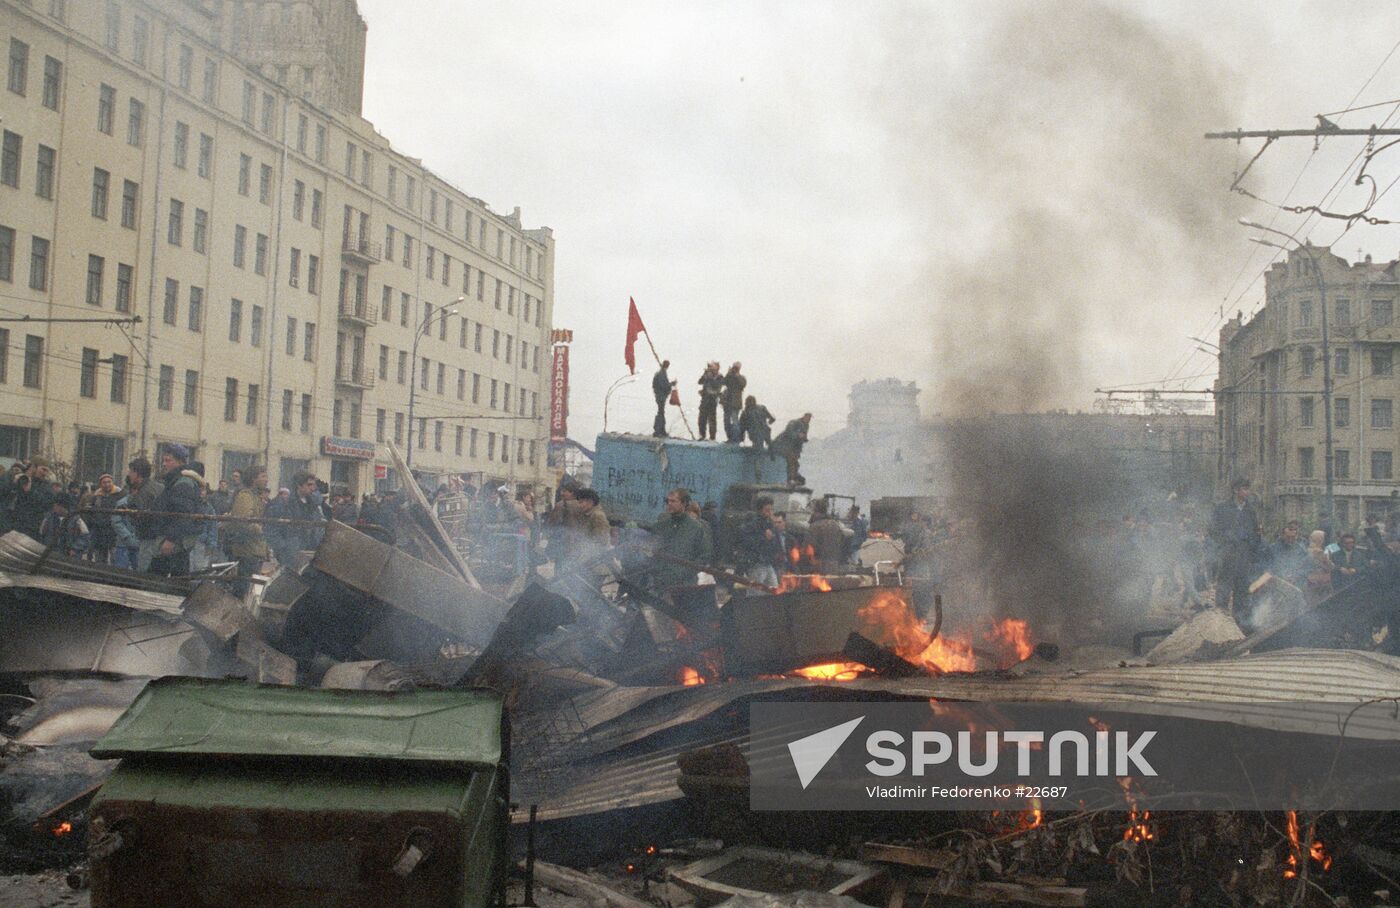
[633,473]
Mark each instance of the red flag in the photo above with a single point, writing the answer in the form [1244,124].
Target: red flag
[634,327]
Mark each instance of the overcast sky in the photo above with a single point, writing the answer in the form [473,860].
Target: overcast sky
[835,191]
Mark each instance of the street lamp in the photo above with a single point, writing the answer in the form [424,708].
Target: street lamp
[607,397]
[423,327]
[1326,356]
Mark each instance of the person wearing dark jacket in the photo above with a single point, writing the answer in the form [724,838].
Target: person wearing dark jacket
[759,549]
[176,534]
[64,531]
[142,492]
[104,534]
[827,539]
[1348,563]
[789,444]
[661,386]
[28,498]
[1234,533]
[756,422]
[680,536]
[303,504]
[711,384]
[732,400]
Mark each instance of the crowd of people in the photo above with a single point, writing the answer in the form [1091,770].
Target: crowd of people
[743,416]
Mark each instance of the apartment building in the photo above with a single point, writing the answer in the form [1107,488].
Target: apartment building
[301,285]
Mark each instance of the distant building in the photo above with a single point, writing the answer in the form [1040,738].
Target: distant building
[203,164]
[1271,381]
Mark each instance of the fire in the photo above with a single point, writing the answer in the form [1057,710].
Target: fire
[62,829]
[831,671]
[889,621]
[1014,636]
[690,677]
[1317,852]
[795,555]
[1139,825]
[803,583]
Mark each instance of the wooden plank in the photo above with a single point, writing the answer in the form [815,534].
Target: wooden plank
[1007,893]
[572,882]
[908,856]
[422,510]
[897,892]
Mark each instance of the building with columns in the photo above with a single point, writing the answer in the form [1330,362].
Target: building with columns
[202,165]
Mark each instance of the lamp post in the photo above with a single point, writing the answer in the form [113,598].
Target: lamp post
[423,327]
[607,397]
[1326,359]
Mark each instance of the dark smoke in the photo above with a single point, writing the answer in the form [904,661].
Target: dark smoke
[1086,209]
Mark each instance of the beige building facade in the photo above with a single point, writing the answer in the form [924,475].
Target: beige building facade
[1271,410]
[202,165]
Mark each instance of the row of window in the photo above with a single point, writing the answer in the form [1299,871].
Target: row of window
[33,365]
[467,330]
[1382,412]
[528,401]
[17,79]
[1382,313]
[12,164]
[39,250]
[438,266]
[1382,464]
[467,442]
[1382,361]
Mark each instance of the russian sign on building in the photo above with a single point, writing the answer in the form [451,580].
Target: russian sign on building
[347,447]
[559,395]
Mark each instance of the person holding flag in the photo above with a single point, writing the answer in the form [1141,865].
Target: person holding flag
[662,387]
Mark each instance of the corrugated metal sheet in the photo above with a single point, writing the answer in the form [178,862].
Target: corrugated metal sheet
[141,600]
[19,554]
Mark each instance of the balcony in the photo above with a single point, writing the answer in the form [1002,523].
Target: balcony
[361,251]
[349,376]
[359,312]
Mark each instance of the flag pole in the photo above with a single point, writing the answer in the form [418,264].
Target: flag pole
[684,419]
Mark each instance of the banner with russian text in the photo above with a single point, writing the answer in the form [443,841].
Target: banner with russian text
[559,395]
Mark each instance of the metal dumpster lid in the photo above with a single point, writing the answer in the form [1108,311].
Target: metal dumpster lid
[195,716]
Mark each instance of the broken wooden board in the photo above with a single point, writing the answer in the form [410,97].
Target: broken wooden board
[405,583]
[424,512]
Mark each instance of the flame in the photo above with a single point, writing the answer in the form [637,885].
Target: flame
[831,671]
[690,677]
[803,583]
[1013,635]
[795,555]
[1139,822]
[888,620]
[62,829]
[1031,818]
[1317,852]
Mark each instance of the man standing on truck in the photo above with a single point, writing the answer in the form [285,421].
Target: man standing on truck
[789,444]
[680,536]
[661,386]
[733,402]
[711,383]
[756,422]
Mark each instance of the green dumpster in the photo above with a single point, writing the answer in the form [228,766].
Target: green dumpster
[236,794]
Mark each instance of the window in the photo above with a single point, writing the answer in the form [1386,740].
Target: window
[462,334]
[7,254]
[1305,412]
[403,367]
[140,38]
[1341,412]
[437,435]
[388,242]
[461,386]
[410,192]
[10,148]
[180,154]
[87,377]
[19,66]
[510,301]
[260,255]
[490,445]
[321,143]
[447,221]
[386,303]
[43,173]
[254,392]
[383,363]
[430,261]
[499,285]
[466,278]
[117,393]
[1305,463]
[467,227]
[495,344]
[100,181]
[206,155]
[1382,312]
[211,80]
[476,341]
[291,337]
[313,274]
[250,102]
[398,428]
[315,208]
[235,320]
[1382,361]
[106,108]
[191,392]
[305,413]
[265,184]
[129,194]
[458,446]
[135,123]
[446,263]
[1341,314]
[422,433]
[201,231]
[94,280]
[500,244]
[269,112]
[240,245]
[510,348]
[366,169]
[255,326]
[1382,465]
[1381,417]
[124,279]
[423,377]
[471,449]
[1341,464]
[350,159]
[309,348]
[287,409]
[408,252]
[175,235]
[171,310]
[403,310]
[476,388]
[230,399]
[432,205]
[294,268]
[196,320]
[53,82]
[39,264]
[33,360]
[441,378]
[493,394]
[165,388]
[245,171]
[298,199]
[184,67]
